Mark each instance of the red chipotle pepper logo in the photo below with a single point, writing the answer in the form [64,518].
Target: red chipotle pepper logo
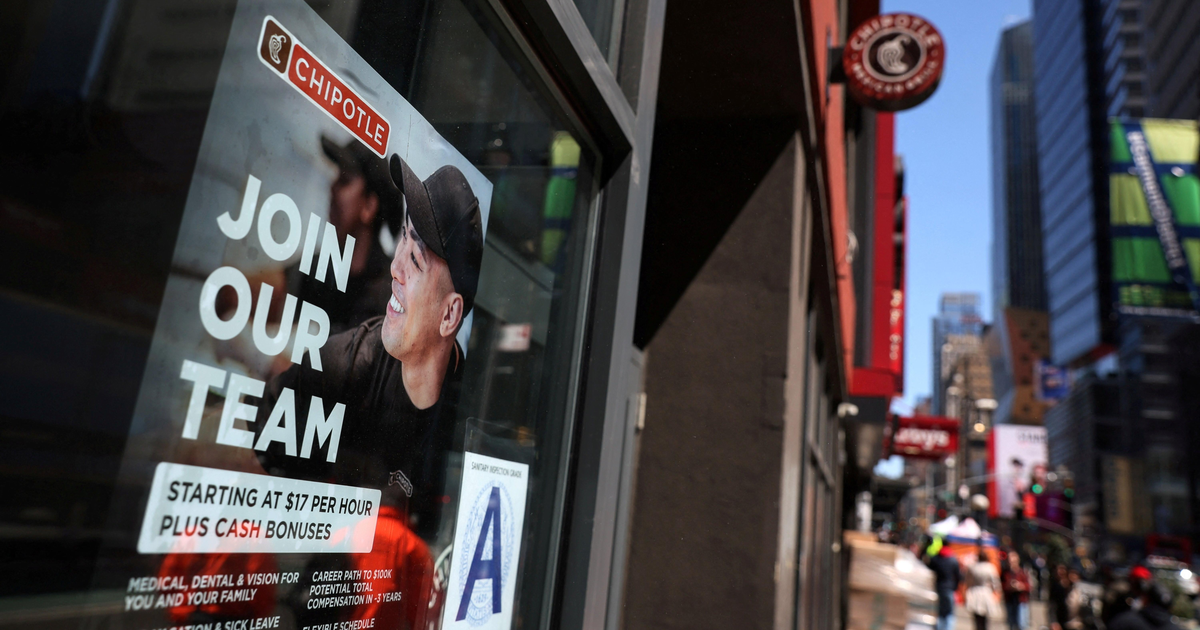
[279,50]
[893,62]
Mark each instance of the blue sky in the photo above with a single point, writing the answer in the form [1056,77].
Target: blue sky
[946,147]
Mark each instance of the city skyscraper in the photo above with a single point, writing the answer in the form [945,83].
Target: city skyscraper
[1129,415]
[1124,27]
[958,320]
[1094,60]
[1070,102]
[1017,278]
[1172,44]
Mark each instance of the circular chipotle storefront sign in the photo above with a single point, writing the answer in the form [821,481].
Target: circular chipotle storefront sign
[893,61]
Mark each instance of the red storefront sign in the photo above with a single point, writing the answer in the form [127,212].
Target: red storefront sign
[926,437]
[882,375]
[279,51]
[893,62]
[896,334]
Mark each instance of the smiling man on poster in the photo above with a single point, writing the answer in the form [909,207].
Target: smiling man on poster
[399,372]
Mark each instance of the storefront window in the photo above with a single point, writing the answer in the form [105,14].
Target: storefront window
[294,298]
[603,19]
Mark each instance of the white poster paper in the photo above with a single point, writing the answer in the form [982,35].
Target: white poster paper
[193,509]
[487,544]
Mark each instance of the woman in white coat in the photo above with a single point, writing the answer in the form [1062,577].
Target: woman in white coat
[983,588]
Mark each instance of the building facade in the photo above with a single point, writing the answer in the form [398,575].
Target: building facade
[958,320]
[767,411]
[1017,278]
[1124,28]
[1018,343]
[1087,435]
[1071,108]
[1096,61]
[970,399]
[633,306]
[1172,57]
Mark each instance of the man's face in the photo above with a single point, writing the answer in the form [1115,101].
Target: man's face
[421,312]
[351,205]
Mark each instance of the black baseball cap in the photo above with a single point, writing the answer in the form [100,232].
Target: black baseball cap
[354,157]
[445,213]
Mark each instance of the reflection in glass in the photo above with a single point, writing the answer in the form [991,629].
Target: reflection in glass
[603,19]
[101,115]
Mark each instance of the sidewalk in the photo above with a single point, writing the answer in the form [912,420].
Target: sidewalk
[1037,619]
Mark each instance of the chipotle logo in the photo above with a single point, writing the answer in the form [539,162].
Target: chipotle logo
[276,46]
[894,61]
[279,50]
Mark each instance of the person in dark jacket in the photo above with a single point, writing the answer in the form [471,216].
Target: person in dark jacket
[1153,615]
[947,576]
[1015,582]
[1118,598]
[390,384]
[1060,587]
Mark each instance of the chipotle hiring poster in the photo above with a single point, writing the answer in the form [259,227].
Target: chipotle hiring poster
[286,463]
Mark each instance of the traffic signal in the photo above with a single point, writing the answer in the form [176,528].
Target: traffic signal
[1069,500]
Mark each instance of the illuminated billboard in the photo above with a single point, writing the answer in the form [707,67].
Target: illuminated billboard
[1017,460]
[1155,217]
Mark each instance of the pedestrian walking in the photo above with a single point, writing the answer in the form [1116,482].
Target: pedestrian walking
[1118,598]
[1154,613]
[1081,613]
[1060,586]
[1015,582]
[983,590]
[947,576]
[1039,569]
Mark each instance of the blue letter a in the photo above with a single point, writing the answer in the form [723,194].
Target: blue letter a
[485,569]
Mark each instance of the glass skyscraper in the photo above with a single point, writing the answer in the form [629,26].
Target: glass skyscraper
[1070,103]
[1017,278]
[957,328]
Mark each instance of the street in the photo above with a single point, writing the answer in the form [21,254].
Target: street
[1037,619]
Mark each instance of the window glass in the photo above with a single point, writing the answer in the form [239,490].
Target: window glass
[160,331]
[632,49]
[604,19]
